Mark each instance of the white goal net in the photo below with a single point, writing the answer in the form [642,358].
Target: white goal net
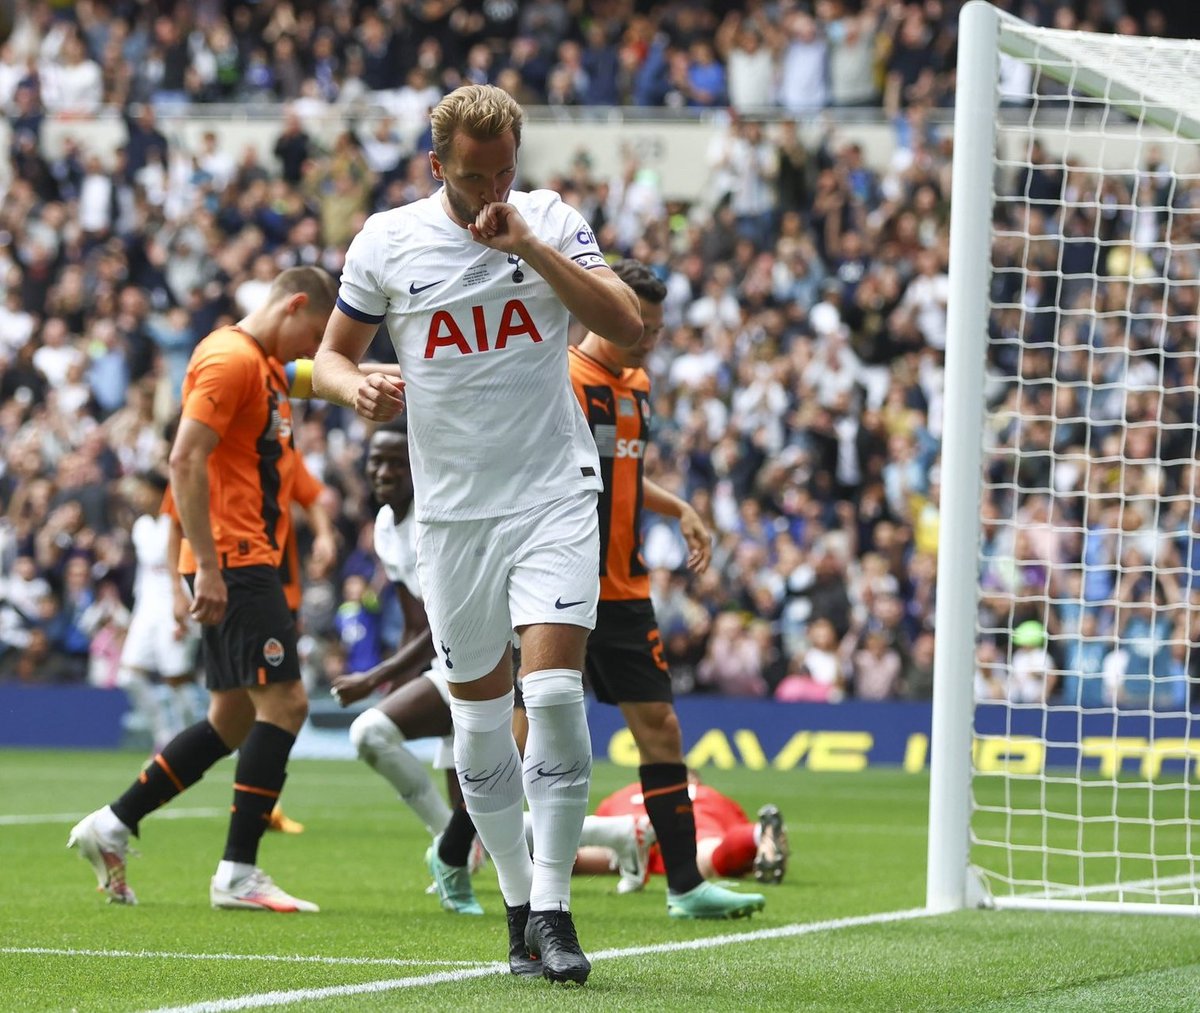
[1079,512]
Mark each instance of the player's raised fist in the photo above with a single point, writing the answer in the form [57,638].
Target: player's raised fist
[500,226]
[380,398]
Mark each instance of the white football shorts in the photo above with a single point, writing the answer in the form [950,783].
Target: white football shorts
[484,578]
[150,645]
[443,758]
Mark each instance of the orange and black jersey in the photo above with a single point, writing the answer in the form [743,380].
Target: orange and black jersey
[618,412]
[308,488]
[237,390]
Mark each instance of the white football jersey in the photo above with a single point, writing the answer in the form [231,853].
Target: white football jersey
[396,547]
[493,425]
[154,584]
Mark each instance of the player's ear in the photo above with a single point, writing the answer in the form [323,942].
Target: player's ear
[435,166]
[297,302]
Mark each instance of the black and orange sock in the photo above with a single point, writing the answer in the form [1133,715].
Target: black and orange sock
[261,771]
[182,762]
[455,846]
[734,856]
[665,791]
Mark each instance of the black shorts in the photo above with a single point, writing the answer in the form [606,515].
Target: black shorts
[625,662]
[255,643]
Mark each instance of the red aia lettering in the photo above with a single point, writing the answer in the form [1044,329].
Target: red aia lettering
[512,309]
[444,331]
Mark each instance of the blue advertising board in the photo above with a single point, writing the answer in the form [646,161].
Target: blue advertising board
[851,736]
[70,717]
[730,732]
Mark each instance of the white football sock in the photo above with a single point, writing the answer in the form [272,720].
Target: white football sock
[229,873]
[109,826]
[381,744]
[489,771]
[557,769]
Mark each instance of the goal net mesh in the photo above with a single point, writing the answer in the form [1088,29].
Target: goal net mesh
[1086,757]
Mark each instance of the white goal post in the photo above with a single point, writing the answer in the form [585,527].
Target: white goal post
[1065,755]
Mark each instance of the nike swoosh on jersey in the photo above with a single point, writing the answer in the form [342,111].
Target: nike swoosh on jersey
[560,604]
[415,289]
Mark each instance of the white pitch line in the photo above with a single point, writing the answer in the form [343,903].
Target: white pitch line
[53,951]
[35,819]
[1132,886]
[333,991]
[287,998]
[783,932]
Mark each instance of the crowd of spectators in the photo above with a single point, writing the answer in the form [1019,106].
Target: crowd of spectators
[797,390]
[793,56]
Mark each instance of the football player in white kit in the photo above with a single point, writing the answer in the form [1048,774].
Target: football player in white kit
[419,706]
[156,644]
[477,284]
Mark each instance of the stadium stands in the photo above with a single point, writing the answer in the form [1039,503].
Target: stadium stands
[797,390]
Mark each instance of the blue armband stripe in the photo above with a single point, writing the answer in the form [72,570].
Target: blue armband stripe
[359,315]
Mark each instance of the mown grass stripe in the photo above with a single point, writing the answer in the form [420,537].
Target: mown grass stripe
[287,998]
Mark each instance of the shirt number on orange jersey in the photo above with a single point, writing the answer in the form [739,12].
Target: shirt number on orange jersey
[656,649]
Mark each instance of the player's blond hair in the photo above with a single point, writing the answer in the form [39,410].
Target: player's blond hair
[481,111]
[315,282]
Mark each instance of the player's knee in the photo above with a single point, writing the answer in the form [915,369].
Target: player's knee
[552,687]
[482,715]
[372,732]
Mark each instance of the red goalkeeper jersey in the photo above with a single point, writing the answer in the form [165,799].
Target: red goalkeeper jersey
[716,814]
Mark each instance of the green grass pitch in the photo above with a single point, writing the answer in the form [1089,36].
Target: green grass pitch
[858,849]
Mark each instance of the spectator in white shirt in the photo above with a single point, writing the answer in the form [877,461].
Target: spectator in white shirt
[718,306]
[56,354]
[16,325]
[1031,672]
[410,103]
[749,67]
[215,161]
[12,70]
[803,68]
[852,58]
[925,299]
[73,84]
[382,146]
[834,370]
[752,198]
[253,292]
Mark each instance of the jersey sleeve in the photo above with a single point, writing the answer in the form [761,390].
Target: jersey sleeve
[572,234]
[220,383]
[307,487]
[360,295]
